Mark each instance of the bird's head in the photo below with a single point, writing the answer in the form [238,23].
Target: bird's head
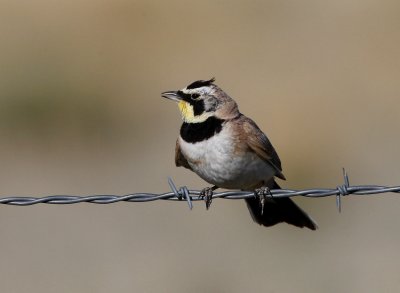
[203,99]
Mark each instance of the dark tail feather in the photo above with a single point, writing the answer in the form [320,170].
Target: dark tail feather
[278,210]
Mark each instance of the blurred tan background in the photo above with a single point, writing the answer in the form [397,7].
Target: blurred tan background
[81,113]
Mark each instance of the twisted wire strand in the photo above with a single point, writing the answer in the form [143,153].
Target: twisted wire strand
[183,193]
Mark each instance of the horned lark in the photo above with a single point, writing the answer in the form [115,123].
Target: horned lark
[228,150]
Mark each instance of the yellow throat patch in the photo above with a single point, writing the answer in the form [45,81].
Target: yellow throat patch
[188,113]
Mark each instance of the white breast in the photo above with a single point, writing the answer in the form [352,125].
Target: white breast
[216,162]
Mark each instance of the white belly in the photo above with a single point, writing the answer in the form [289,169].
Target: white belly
[216,162]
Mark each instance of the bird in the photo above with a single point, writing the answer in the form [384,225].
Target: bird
[228,150]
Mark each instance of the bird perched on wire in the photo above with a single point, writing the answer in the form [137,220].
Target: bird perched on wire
[228,150]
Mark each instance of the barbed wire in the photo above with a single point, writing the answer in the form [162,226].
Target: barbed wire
[183,193]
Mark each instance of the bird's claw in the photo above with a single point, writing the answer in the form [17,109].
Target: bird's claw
[261,193]
[206,194]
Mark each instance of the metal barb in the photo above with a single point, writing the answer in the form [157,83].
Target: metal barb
[185,191]
[339,202]
[182,192]
[346,178]
[174,190]
[342,190]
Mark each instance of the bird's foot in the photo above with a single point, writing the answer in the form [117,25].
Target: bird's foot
[261,193]
[206,194]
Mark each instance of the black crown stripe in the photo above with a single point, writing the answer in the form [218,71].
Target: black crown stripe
[200,83]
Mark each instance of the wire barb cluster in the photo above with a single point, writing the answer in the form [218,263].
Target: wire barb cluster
[183,193]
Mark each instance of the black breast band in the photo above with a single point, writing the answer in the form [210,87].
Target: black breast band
[196,132]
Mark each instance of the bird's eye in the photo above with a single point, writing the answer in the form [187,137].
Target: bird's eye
[194,96]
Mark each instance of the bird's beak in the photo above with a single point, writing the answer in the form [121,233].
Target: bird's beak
[172,95]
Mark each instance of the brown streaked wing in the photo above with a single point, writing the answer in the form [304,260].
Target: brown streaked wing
[260,144]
